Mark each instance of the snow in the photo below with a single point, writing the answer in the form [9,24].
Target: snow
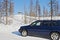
[10,32]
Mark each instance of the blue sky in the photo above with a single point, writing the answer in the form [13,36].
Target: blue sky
[19,5]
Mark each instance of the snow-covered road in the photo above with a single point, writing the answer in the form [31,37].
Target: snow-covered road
[6,36]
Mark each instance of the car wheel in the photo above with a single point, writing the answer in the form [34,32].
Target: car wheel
[24,33]
[54,36]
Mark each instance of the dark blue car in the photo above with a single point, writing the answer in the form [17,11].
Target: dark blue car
[50,28]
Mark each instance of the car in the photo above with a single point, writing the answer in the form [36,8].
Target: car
[50,28]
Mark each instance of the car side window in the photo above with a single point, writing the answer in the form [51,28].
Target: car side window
[38,24]
[46,24]
[33,24]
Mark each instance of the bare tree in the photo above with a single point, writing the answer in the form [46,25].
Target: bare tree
[52,4]
[38,11]
[31,9]
[6,10]
[25,13]
[45,12]
[59,11]
[0,11]
[11,9]
[56,8]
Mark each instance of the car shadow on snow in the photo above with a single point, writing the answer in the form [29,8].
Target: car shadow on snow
[40,36]
[17,33]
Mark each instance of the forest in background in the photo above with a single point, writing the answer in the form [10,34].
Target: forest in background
[7,10]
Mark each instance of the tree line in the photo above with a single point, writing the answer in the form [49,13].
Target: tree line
[35,11]
[6,9]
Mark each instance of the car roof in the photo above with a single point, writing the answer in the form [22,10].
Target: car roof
[48,21]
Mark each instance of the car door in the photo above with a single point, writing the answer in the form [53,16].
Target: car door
[36,28]
[44,29]
[32,29]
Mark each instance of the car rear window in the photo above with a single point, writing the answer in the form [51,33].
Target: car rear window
[55,23]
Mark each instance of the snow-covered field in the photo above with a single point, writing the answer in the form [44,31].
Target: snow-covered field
[10,32]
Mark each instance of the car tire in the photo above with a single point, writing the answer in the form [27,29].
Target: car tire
[54,36]
[24,33]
